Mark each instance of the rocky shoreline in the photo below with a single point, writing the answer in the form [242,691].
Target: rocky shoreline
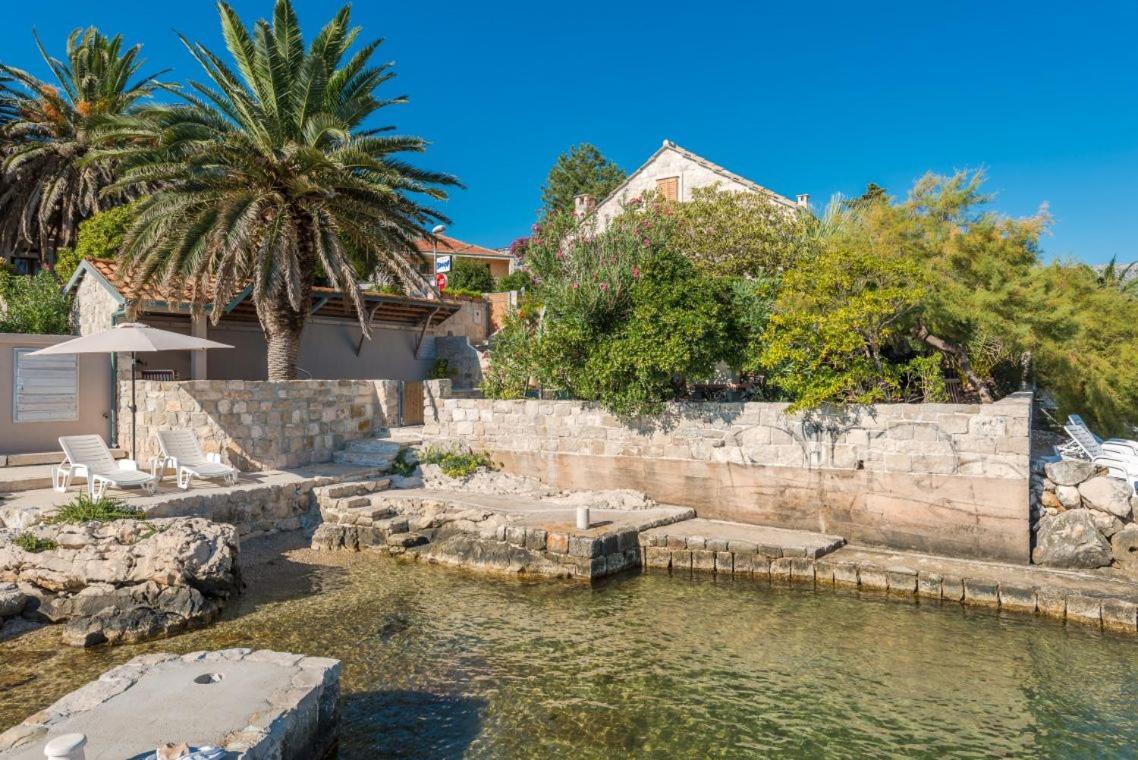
[119,582]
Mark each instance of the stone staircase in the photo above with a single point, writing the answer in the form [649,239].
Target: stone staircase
[369,452]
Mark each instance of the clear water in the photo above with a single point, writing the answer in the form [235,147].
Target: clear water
[439,663]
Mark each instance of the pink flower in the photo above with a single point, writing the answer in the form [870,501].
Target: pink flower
[646,242]
[635,271]
[604,287]
[560,255]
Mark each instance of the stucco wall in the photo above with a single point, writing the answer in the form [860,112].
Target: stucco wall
[944,478]
[259,424]
[94,399]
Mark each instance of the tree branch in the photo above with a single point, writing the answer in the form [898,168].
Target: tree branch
[959,354]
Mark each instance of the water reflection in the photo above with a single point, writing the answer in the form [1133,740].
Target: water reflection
[440,663]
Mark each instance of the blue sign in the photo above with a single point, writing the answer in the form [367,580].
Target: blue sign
[442,264]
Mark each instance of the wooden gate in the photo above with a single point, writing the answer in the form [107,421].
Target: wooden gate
[411,403]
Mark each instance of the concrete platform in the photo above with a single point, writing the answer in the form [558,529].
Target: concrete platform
[240,700]
[720,535]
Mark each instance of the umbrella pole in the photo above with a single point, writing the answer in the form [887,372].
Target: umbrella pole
[133,409]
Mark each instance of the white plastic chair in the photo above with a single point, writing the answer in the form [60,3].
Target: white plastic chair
[180,450]
[1118,455]
[88,456]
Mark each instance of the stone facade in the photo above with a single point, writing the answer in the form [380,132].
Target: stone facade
[258,424]
[690,171]
[944,478]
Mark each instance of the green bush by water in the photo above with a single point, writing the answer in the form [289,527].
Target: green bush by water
[456,464]
[83,509]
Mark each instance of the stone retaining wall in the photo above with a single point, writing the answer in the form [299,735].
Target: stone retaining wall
[259,424]
[950,479]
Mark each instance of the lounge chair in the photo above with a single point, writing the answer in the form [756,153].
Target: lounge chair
[181,451]
[88,456]
[1118,455]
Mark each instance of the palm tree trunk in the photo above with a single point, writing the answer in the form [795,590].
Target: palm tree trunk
[282,326]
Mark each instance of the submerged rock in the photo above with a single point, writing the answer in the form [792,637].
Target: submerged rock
[1071,539]
[1107,495]
[1069,472]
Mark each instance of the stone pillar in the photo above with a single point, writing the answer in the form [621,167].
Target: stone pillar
[198,329]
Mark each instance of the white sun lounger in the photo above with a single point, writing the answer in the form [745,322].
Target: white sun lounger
[181,451]
[1119,456]
[88,456]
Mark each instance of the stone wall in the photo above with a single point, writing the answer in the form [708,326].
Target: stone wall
[944,478]
[258,424]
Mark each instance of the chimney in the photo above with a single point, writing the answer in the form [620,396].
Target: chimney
[583,205]
[804,200]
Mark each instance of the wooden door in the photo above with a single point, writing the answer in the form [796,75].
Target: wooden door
[411,403]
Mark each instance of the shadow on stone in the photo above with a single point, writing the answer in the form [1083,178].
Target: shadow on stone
[402,723]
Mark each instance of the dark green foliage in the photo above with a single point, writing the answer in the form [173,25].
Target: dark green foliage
[581,169]
[513,362]
[440,370]
[456,464]
[469,275]
[34,305]
[100,237]
[84,509]
[404,463]
[30,542]
[519,279]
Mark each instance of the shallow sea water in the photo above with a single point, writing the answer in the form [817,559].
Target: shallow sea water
[440,663]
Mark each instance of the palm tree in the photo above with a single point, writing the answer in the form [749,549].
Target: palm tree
[269,177]
[47,185]
[1115,276]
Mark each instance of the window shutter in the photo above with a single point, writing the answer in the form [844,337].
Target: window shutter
[669,188]
[46,387]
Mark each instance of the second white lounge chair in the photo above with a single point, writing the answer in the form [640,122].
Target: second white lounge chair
[88,455]
[180,450]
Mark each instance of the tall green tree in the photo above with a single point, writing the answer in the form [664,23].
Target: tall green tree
[47,133]
[270,173]
[579,170]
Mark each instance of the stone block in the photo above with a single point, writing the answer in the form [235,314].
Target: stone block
[536,539]
[1084,609]
[676,542]
[1051,603]
[703,560]
[696,542]
[743,563]
[802,569]
[981,593]
[901,580]
[557,543]
[872,577]
[770,552]
[824,572]
[928,585]
[845,573]
[952,588]
[590,567]
[724,562]
[780,569]
[717,544]
[1120,615]
[584,546]
[681,560]
[658,557]
[1017,598]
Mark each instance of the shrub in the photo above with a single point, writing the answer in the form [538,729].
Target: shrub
[84,509]
[512,361]
[30,542]
[470,275]
[440,370]
[519,279]
[404,464]
[456,464]
[34,305]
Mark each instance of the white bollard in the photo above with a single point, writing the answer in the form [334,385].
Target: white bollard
[582,518]
[66,747]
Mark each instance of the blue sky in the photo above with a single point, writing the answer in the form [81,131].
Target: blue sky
[801,97]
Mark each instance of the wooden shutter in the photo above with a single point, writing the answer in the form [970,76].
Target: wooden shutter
[669,188]
[46,388]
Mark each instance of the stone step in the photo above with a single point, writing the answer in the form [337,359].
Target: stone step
[380,446]
[363,459]
[356,488]
[742,538]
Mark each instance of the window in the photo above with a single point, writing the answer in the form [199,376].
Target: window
[46,387]
[669,188]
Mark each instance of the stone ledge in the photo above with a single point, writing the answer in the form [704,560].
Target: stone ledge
[254,704]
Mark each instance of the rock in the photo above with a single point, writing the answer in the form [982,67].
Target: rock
[16,627]
[1107,494]
[12,600]
[1069,472]
[1071,539]
[1106,523]
[1068,496]
[1049,500]
[1124,545]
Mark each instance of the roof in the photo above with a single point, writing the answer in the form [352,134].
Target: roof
[716,168]
[447,244]
[326,302]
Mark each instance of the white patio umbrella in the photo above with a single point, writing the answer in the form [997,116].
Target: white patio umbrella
[132,338]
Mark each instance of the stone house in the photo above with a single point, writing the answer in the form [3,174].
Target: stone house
[500,263]
[675,173]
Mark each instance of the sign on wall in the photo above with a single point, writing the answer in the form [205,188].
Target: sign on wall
[441,281]
[442,264]
[45,388]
